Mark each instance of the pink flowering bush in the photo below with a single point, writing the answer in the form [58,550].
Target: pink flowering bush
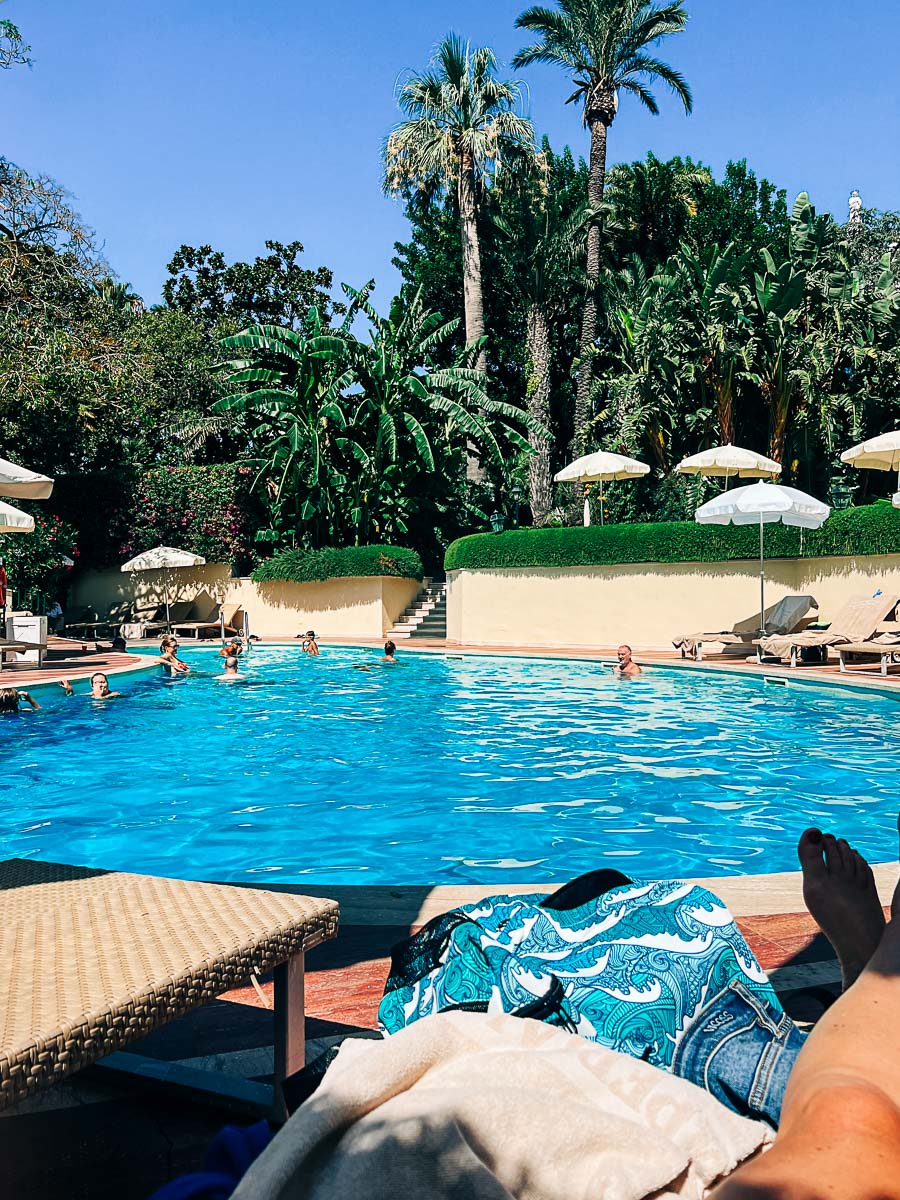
[208,510]
[35,560]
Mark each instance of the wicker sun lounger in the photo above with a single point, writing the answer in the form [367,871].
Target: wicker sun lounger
[856,622]
[789,615]
[92,960]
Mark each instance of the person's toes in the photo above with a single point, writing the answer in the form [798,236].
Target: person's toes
[834,859]
[809,851]
[848,860]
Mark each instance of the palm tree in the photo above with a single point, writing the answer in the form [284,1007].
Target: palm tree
[653,202]
[604,45]
[461,126]
[545,246]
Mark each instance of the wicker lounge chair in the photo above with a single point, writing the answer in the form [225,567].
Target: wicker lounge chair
[92,960]
[856,622]
[789,615]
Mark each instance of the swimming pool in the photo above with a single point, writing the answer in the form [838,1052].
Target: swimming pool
[444,770]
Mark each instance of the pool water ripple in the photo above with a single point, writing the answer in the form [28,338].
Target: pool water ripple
[445,770]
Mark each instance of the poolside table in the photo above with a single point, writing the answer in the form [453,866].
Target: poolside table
[92,960]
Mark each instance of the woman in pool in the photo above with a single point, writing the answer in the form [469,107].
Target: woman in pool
[168,650]
[99,688]
[389,652]
[11,698]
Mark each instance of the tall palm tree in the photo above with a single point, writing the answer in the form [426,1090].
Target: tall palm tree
[545,248]
[605,45]
[461,125]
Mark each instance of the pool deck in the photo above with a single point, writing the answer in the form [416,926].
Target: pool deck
[111,1143]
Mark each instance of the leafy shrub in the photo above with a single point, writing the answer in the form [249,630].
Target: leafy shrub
[207,510]
[873,529]
[33,561]
[309,566]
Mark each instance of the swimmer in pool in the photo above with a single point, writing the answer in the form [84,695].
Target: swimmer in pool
[99,688]
[11,699]
[231,669]
[168,651]
[627,668]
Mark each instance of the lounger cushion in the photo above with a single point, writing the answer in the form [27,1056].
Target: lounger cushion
[856,622]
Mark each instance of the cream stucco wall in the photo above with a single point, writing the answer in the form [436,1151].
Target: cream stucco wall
[646,604]
[364,607]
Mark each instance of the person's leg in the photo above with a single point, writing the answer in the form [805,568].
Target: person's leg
[840,1124]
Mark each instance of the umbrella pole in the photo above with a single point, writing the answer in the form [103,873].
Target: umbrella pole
[762,581]
[602,522]
[166,589]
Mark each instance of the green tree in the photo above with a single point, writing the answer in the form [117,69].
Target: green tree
[461,127]
[604,45]
[13,50]
[741,209]
[651,205]
[272,290]
[543,224]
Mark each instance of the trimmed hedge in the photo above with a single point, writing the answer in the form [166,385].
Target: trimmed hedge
[873,529]
[331,562]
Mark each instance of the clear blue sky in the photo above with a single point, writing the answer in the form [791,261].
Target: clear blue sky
[217,121]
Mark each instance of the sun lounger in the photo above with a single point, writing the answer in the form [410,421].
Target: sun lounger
[92,960]
[789,615]
[209,619]
[12,649]
[856,622]
[886,650]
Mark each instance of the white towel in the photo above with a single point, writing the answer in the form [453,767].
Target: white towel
[465,1105]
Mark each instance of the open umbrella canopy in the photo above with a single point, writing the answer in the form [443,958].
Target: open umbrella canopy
[764,504]
[728,462]
[880,453]
[13,520]
[601,466]
[597,468]
[22,484]
[163,557]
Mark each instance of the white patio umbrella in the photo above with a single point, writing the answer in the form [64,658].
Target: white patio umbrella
[166,559]
[729,462]
[22,484]
[597,468]
[13,520]
[880,453]
[764,504]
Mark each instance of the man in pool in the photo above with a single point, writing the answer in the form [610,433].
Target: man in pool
[231,669]
[99,688]
[627,668]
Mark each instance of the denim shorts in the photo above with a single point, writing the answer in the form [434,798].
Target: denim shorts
[740,1049]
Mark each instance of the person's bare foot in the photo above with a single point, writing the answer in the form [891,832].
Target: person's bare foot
[840,893]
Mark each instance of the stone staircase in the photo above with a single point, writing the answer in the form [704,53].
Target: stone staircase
[426,617]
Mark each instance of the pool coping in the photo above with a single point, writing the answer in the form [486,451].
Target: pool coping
[142,663]
[362,904]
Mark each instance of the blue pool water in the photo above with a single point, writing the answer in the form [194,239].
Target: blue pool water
[444,770]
